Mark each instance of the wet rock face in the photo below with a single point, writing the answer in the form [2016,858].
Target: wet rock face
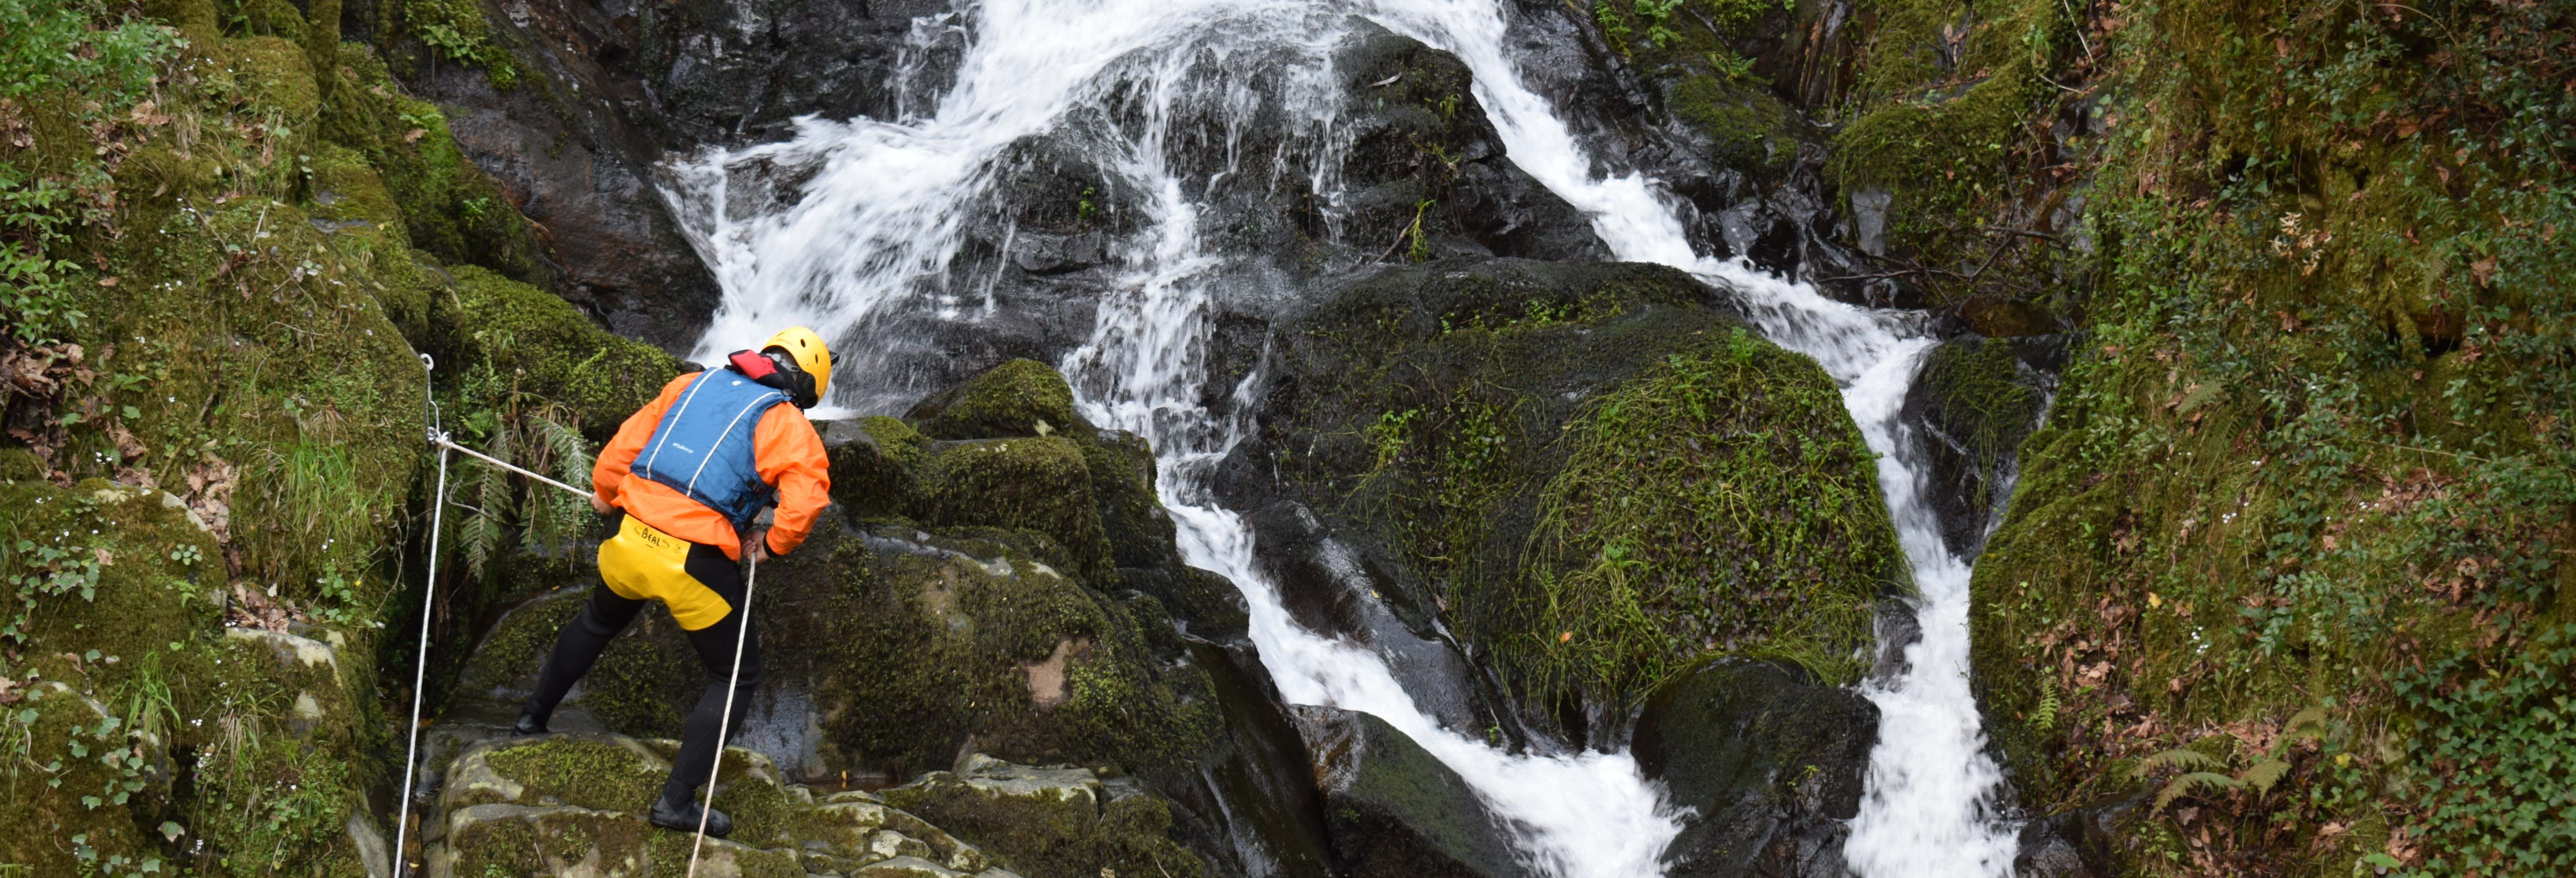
[1770,761]
[737,72]
[572,144]
[1393,808]
[1423,160]
[1972,404]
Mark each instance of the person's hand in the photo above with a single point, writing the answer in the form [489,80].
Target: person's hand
[600,505]
[755,548]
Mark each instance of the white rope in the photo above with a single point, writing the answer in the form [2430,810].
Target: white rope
[420,668]
[725,722]
[442,441]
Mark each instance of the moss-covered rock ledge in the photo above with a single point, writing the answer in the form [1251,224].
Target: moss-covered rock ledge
[575,804]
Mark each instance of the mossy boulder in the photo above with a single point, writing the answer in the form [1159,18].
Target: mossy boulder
[1747,128]
[1768,761]
[1050,822]
[1577,468]
[540,345]
[885,648]
[1040,484]
[123,638]
[948,637]
[1016,398]
[872,466]
[1973,402]
[1393,808]
[573,802]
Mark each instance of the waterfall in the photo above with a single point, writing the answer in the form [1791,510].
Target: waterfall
[853,222]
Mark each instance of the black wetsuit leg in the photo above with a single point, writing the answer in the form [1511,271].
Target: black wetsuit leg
[580,644]
[715,648]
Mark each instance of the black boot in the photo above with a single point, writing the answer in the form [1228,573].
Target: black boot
[682,816]
[529,724]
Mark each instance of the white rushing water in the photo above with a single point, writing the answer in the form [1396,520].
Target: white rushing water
[873,225]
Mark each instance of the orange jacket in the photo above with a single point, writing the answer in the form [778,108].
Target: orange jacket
[784,447]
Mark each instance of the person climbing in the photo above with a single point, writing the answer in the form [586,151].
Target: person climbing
[684,479]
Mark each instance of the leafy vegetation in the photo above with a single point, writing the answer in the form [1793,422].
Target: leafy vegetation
[76,61]
[2315,451]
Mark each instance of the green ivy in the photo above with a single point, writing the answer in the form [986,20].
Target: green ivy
[2500,756]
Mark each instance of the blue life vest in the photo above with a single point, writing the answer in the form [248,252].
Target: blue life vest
[703,447]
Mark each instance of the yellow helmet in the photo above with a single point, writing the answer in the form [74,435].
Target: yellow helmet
[809,352]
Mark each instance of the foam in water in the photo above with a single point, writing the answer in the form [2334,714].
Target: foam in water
[852,221]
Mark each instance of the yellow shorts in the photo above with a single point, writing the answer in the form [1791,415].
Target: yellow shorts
[643,563]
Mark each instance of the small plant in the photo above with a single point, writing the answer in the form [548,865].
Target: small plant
[1730,66]
[1420,249]
[1658,15]
[1083,209]
[1387,437]
[1613,24]
[47,571]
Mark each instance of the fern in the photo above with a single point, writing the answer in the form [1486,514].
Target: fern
[2264,774]
[555,519]
[2044,718]
[2182,758]
[2312,721]
[2183,785]
[486,522]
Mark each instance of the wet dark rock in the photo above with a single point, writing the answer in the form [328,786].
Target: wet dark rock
[1334,587]
[1771,762]
[733,72]
[2046,850]
[1423,161]
[1971,406]
[2087,841]
[1738,154]
[1250,798]
[573,143]
[1392,808]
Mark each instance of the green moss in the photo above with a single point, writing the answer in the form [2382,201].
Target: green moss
[933,643]
[581,772]
[1748,125]
[1948,119]
[1650,551]
[1973,392]
[1039,484]
[896,439]
[1043,836]
[1016,398]
[1121,465]
[872,474]
[450,207]
[458,31]
[66,757]
[539,345]
[2287,470]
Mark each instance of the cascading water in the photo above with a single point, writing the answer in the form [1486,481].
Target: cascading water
[853,221]
[1929,809]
